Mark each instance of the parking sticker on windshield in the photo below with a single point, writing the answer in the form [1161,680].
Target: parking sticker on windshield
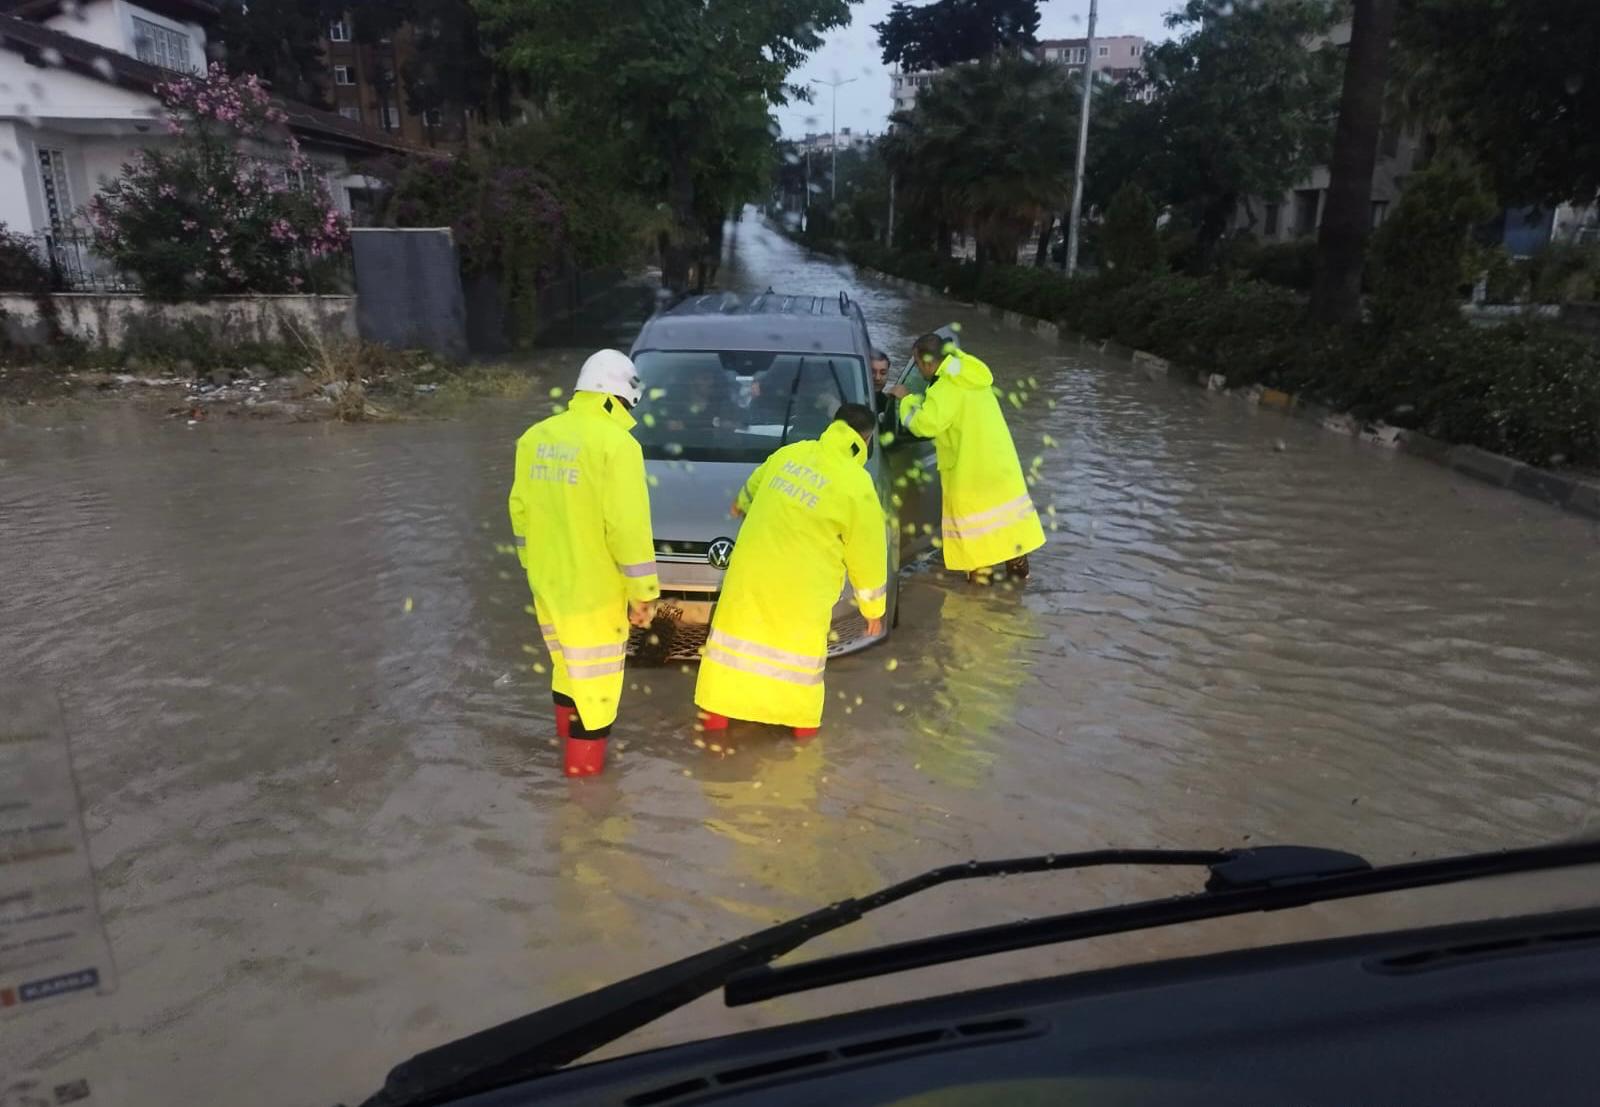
[52,943]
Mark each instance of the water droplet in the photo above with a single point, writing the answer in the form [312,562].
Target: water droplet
[409,605]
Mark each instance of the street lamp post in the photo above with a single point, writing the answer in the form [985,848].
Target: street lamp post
[833,139]
[1083,145]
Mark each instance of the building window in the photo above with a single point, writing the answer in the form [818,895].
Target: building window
[433,117]
[391,119]
[339,31]
[1269,226]
[57,193]
[1102,52]
[351,112]
[161,46]
[1137,49]
[1380,210]
[342,75]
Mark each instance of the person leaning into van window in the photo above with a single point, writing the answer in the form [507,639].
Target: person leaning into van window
[811,516]
[580,521]
[989,518]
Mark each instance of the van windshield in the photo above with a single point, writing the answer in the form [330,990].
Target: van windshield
[709,405]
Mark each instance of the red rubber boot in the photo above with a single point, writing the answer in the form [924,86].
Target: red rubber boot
[586,756]
[716,722]
[805,733]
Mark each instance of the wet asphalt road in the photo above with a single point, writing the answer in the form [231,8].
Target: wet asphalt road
[325,807]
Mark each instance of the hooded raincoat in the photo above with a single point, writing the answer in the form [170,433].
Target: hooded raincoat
[812,515]
[580,521]
[989,518]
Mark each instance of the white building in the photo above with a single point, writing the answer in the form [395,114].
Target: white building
[1115,59]
[823,143]
[77,100]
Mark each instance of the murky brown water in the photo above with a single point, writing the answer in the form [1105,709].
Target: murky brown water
[330,830]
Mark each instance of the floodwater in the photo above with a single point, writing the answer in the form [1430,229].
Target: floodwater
[325,807]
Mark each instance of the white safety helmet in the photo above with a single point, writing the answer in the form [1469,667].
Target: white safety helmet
[611,372]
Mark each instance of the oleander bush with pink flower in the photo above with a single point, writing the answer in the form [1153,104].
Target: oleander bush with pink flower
[231,205]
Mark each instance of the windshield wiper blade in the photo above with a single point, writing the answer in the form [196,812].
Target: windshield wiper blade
[1254,880]
[543,1041]
[1264,878]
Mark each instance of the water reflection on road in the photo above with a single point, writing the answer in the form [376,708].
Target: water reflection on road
[324,805]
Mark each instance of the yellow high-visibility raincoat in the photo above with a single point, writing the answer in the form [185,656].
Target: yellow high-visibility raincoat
[989,518]
[812,514]
[580,520]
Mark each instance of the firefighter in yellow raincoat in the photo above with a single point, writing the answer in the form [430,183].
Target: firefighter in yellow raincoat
[989,518]
[812,516]
[580,520]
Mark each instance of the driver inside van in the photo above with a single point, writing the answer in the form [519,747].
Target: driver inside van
[702,396]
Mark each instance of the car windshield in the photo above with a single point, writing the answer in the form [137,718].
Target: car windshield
[710,405]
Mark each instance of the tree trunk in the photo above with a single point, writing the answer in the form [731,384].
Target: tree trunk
[1347,213]
[1213,225]
[1041,256]
[678,254]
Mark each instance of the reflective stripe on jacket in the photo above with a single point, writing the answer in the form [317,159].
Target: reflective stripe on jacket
[580,520]
[812,516]
[989,518]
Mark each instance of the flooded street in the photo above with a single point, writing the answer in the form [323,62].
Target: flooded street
[325,807]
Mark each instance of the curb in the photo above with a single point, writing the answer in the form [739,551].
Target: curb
[1569,493]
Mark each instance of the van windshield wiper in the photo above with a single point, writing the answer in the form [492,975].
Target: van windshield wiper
[1265,878]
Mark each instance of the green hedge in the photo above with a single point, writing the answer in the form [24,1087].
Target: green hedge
[1523,390]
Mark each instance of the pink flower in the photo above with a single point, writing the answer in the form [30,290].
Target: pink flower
[190,225]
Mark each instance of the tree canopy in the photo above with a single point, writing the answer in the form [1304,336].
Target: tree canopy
[1242,107]
[946,32]
[1515,83]
[989,146]
[682,80]
[280,41]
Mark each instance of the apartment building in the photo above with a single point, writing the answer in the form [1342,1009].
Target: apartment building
[1116,59]
[365,82]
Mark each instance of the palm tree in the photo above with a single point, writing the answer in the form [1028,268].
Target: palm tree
[988,148]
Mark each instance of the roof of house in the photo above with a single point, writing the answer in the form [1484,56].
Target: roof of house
[201,11]
[35,42]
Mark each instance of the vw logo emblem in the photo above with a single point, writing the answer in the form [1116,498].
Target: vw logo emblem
[720,552]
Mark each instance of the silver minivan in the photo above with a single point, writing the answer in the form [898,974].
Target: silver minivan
[728,379]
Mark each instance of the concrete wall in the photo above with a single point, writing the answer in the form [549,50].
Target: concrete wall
[104,319]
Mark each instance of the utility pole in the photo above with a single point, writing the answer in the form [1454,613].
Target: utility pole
[1083,145]
[833,141]
[890,238]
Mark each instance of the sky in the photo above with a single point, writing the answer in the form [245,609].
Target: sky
[852,52]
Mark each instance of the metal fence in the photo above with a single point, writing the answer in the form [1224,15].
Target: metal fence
[75,267]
